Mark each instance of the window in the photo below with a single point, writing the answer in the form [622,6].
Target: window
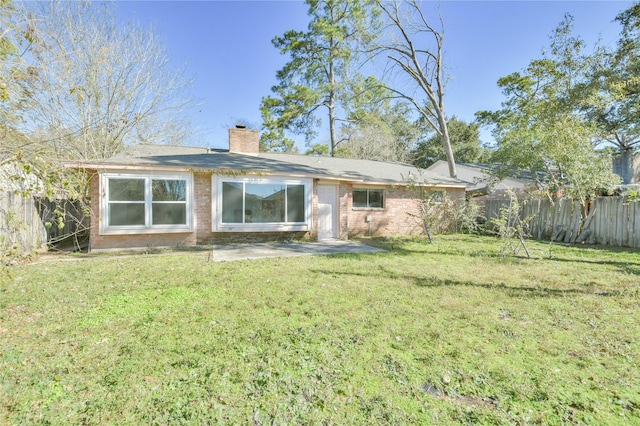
[262,204]
[437,196]
[126,202]
[368,198]
[168,202]
[137,203]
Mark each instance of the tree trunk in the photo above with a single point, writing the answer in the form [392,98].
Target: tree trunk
[332,124]
[446,144]
[332,103]
[623,165]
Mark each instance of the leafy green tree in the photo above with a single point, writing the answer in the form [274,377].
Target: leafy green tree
[384,132]
[317,149]
[465,142]
[273,137]
[610,97]
[319,74]
[616,102]
[538,129]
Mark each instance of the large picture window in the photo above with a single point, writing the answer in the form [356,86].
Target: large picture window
[368,198]
[262,204]
[137,203]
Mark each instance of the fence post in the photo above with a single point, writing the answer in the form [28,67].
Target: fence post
[636,226]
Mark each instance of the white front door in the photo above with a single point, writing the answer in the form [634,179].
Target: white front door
[327,212]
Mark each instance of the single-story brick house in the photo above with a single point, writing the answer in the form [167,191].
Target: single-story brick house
[158,195]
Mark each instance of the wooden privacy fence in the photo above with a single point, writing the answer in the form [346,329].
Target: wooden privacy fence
[612,221]
[29,223]
[21,229]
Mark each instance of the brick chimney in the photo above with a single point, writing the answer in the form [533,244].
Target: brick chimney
[244,140]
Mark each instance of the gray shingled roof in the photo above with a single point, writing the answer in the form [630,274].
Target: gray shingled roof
[365,171]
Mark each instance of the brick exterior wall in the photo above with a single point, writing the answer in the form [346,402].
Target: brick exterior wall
[391,220]
[244,140]
[255,237]
[344,202]
[202,209]
[314,211]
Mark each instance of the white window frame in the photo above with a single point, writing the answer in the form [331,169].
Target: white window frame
[148,227]
[216,205]
[384,198]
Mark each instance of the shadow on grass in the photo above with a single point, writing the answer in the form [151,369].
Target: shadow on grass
[435,282]
[434,250]
[628,267]
[517,291]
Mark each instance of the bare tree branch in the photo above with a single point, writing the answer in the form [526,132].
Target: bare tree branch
[101,87]
[424,66]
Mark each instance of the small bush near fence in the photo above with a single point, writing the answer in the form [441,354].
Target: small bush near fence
[439,214]
[512,228]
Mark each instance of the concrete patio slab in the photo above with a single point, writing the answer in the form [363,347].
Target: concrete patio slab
[230,252]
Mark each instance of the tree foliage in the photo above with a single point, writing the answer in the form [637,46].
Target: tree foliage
[512,229]
[17,76]
[319,75]
[384,133]
[538,128]
[78,85]
[318,149]
[611,95]
[465,142]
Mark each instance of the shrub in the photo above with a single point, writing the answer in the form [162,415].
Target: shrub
[439,214]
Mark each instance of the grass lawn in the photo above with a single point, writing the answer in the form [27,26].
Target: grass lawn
[447,333]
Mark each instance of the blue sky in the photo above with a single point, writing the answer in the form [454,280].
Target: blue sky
[227,48]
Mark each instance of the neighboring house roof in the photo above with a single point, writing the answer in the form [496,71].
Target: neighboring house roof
[153,157]
[477,176]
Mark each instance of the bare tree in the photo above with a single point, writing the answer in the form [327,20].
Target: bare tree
[15,77]
[100,85]
[74,85]
[409,31]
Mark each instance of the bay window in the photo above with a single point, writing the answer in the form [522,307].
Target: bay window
[135,203]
